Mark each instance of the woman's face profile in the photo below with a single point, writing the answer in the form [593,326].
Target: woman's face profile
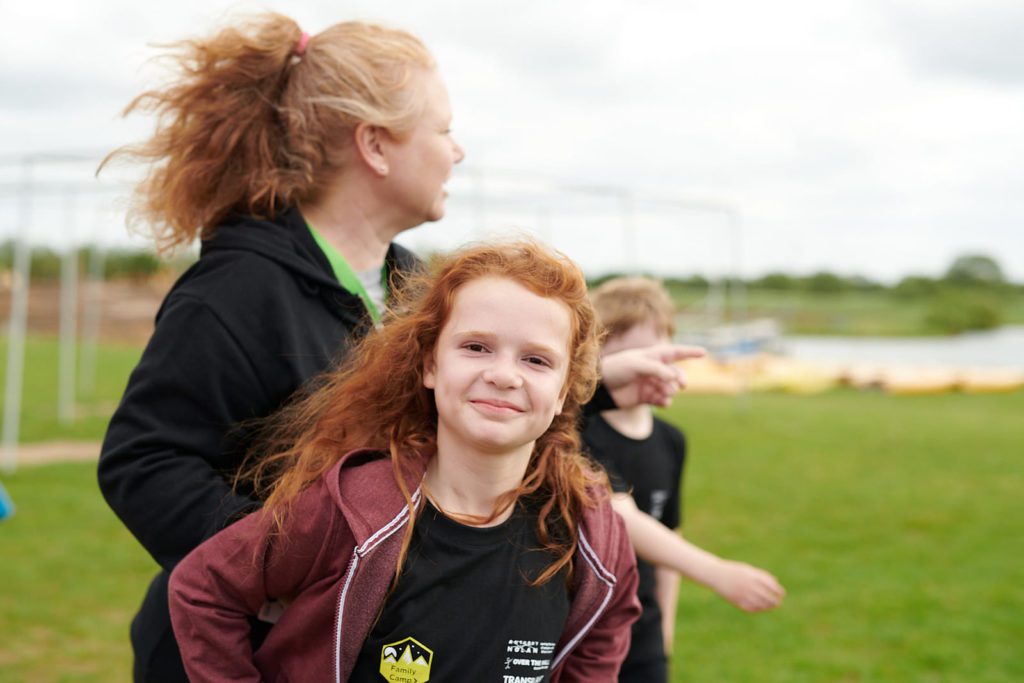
[421,161]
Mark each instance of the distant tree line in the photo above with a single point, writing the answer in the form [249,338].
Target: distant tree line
[973,271]
[129,263]
[970,295]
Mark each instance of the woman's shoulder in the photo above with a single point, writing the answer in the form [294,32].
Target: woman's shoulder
[218,272]
[252,263]
[248,296]
[403,259]
[259,286]
[248,255]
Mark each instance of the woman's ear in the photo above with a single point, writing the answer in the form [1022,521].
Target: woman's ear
[369,142]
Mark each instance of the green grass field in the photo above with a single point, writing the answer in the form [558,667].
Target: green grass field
[895,524]
[39,420]
[71,579]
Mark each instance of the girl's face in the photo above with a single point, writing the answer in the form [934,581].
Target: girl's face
[499,368]
[421,161]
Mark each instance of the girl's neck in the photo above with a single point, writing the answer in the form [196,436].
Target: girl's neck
[636,422]
[471,483]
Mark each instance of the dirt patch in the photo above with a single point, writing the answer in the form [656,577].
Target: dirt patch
[125,308]
[57,451]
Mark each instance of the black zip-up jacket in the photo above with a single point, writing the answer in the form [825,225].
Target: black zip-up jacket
[257,316]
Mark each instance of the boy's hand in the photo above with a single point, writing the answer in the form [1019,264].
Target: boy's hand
[648,375]
[749,588]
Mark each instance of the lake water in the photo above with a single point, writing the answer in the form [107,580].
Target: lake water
[1003,347]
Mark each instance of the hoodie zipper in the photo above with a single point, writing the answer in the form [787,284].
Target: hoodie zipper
[358,553]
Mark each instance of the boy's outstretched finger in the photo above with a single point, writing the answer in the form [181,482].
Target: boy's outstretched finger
[673,353]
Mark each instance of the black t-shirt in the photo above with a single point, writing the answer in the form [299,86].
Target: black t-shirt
[651,470]
[464,608]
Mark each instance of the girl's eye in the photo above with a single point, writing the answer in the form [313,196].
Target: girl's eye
[537,360]
[475,347]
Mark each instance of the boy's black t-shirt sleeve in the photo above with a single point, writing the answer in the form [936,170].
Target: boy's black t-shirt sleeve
[600,452]
[650,470]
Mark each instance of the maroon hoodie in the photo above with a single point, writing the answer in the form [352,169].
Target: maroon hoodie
[334,566]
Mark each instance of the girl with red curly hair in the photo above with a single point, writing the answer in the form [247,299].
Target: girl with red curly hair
[428,512]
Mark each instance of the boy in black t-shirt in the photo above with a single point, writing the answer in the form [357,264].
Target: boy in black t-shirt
[650,469]
[644,457]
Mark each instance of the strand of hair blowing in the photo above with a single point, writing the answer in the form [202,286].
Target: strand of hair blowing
[219,145]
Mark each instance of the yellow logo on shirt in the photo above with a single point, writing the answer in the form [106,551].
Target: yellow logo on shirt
[407,661]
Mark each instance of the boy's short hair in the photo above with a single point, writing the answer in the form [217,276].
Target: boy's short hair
[624,302]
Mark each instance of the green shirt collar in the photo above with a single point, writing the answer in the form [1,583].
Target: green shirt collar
[347,277]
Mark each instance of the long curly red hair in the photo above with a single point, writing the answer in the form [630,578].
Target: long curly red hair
[355,406]
[245,125]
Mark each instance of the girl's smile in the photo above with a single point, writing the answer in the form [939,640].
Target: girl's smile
[498,371]
[496,406]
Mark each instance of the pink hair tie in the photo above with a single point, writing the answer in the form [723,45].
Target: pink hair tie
[300,47]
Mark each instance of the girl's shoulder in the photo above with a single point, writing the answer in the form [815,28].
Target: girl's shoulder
[603,534]
[363,486]
[600,509]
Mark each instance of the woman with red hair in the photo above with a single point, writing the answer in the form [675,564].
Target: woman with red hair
[295,159]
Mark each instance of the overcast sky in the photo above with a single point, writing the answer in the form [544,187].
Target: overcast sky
[880,137]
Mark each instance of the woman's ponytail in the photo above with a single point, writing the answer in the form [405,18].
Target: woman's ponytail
[256,115]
